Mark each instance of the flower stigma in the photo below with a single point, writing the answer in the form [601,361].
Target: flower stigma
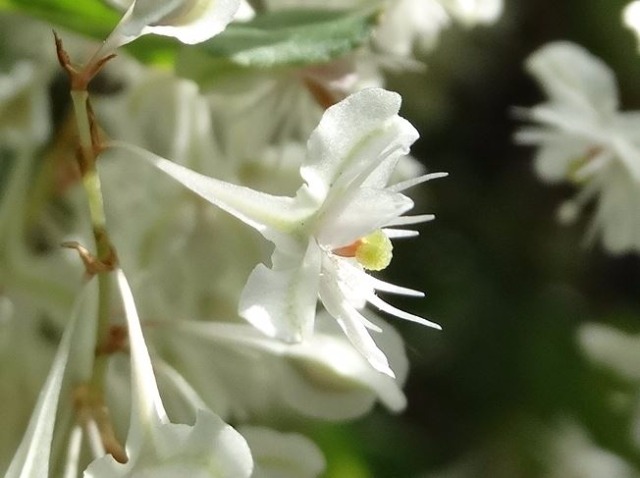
[373,252]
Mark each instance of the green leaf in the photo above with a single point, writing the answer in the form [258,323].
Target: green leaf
[285,38]
[93,19]
[276,39]
[88,17]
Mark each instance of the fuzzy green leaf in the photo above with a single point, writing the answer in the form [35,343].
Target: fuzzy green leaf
[286,38]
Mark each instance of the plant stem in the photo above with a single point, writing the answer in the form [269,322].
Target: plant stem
[104,249]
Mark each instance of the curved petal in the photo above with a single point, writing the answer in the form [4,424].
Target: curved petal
[190,21]
[571,75]
[195,22]
[631,18]
[208,449]
[158,448]
[353,325]
[323,377]
[32,457]
[353,138]
[364,212]
[268,214]
[283,455]
[281,302]
[616,218]
[474,12]
[612,349]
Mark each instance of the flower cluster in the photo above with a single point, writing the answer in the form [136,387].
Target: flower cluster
[165,317]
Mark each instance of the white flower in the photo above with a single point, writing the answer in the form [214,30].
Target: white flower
[155,446]
[323,377]
[406,24]
[190,21]
[474,12]
[612,349]
[583,138]
[333,230]
[409,22]
[283,455]
[631,18]
[33,455]
[283,106]
[573,454]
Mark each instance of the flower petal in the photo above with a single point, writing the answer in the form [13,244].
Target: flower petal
[283,455]
[281,302]
[208,449]
[363,212]
[571,75]
[351,322]
[474,12]
[268,214]
[190,21]
[158,448]
[32,456]
[325,376]
[353,138]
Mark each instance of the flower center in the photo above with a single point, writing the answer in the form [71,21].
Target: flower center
[373,252]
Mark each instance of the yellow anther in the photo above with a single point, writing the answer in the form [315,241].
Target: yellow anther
[374,252]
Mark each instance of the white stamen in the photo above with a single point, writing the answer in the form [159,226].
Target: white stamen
[409,183]
[406,220]
[389,309]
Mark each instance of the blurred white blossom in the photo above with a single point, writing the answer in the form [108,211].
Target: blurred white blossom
[157,447]
[583,138]
[574,455]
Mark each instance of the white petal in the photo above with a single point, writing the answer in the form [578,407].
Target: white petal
[190,21]
[202,20]
[32,457]
[409,22]
[389,309]
[353,137]
[365,211]
[631,18]
[408,220]
[571,75]
[208,449]
[350,321]
[326,358]
[554,158]
[474,12]
[400,233]
[616,218]
[282,302]
[245,12]
[158,448]
[392,288]
[611,348]
[146,405]
[409,183]
[629,155]
[627,124]
[268,214]
[283,455]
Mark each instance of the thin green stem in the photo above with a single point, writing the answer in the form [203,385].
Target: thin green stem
[104,249]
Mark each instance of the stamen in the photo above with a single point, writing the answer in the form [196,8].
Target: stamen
[373,252]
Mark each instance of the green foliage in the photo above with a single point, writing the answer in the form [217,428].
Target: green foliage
[89,17]
[278,39]
[285,38]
